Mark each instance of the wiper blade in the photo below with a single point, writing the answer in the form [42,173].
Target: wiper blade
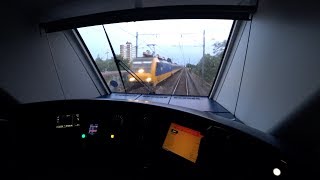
[115,59]
[126,68]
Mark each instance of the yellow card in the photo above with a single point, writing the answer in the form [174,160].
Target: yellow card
[183,141]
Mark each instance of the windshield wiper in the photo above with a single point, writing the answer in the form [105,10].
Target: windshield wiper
[115,59]
[126,68]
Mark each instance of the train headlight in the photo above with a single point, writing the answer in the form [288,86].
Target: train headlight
[131,79]
[140,70]
[148,79]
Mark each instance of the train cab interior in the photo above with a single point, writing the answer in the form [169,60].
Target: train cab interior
[219,89]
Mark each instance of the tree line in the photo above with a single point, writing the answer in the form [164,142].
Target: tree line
[210,63]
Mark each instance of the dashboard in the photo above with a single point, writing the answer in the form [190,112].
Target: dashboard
[106,138]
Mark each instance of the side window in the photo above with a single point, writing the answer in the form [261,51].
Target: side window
[159,68]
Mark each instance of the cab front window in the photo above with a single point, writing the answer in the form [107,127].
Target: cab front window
[175,57]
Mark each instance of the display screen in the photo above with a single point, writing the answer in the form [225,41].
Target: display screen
[67,120]
[183,141]
[93,129]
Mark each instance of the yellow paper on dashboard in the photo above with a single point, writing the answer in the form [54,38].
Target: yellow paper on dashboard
[183,141]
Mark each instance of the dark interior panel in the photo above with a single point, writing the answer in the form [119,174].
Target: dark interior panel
[97,138]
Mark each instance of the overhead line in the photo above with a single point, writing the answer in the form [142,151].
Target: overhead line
[142,40]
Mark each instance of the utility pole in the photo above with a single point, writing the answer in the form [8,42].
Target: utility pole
[107,55]
[203,59]
[204,42]
[137,44]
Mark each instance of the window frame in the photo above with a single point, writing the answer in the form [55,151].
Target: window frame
[91,62]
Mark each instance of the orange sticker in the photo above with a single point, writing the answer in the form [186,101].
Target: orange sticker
[183,141]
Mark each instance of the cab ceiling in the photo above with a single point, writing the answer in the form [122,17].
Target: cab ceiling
[57,10]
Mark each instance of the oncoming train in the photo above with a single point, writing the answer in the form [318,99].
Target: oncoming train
[152,69]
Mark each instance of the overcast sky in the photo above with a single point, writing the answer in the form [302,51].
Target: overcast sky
[180,40]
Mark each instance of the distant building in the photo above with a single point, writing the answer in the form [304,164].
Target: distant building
[127,51]
[122,51]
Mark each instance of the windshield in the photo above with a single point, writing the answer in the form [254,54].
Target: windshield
[141,63]
[176,57]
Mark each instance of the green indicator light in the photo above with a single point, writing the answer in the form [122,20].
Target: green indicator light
[83,136]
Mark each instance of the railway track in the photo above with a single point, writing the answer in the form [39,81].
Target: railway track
[192,87]
[180,83]
[185,85]
[181,86]
[177,83]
